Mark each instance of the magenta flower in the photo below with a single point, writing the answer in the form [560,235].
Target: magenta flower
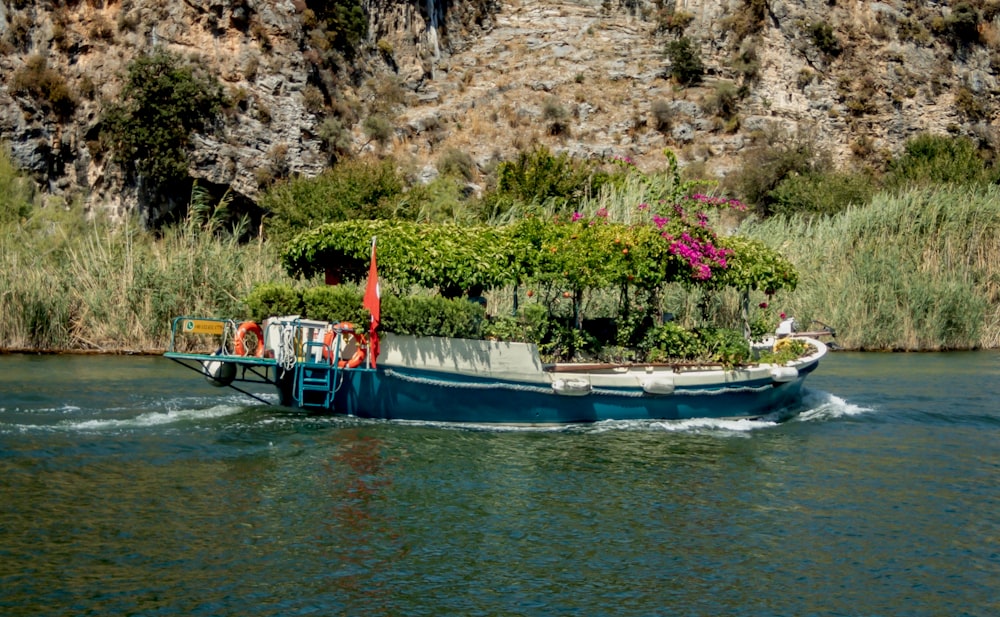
[576,217]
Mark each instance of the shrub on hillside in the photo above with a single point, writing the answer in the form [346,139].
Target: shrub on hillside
[456,164]
[445,199]
[339,25]
[16,191]
[378,128]
[723,100]
[556,115]
[163,102]
[663,115]
[972,107]
[824,39]
[46,86]
[821,192]
[961,27]
[336,137]
[748,19]
[538,177]
[775,157]
[685,61]
[937,159]
[353,189]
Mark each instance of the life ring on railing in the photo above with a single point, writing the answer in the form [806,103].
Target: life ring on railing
[248,327]
[360,342]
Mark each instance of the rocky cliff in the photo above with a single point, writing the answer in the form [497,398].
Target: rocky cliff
[489,77]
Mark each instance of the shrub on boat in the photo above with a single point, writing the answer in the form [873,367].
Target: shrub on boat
[416,315]
[269,299]
[334,303]
[433,316]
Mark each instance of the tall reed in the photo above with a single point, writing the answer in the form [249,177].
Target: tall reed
[116,287]
[913,271]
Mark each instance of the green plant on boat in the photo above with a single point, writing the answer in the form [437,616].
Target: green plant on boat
[786,350]
[571,259]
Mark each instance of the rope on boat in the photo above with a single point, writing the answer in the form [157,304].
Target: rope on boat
[499,385]
[724,390]
[469,386]
[229,329]
[286,348]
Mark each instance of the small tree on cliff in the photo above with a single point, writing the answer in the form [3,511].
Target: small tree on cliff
[162,103]
[685,61]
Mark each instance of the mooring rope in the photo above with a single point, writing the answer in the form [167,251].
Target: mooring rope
[227,344]
[286,348]
[496,385]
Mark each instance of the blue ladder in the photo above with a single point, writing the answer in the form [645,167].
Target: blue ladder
[314,377]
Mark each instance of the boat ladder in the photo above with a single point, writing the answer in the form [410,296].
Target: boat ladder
[314,380]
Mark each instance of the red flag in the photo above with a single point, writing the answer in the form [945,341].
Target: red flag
[373,302]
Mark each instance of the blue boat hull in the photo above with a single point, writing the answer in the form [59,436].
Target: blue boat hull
[437,379]
[396,394]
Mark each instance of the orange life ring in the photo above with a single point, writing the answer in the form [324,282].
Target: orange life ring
[248,327]
[346,327]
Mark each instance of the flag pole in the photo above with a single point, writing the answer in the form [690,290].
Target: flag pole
[372,302]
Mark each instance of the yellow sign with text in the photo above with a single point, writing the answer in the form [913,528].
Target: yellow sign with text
[202,326]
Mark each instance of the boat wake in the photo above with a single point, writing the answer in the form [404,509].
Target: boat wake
[821,406]
[152,419]
[816,406]
[732,427]
[150,415]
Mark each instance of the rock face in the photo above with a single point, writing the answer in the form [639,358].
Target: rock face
[490,77]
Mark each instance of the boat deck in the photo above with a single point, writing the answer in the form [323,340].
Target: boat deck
[299,357]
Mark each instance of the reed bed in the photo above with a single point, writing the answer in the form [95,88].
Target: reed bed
[116,288]
[916,271]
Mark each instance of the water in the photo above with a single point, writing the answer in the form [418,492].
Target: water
[130,487]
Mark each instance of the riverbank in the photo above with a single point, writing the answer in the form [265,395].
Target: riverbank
[82,352]
[919,271]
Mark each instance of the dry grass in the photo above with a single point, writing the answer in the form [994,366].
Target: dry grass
[920,271]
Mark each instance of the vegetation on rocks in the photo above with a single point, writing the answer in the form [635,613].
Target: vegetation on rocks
[163,102]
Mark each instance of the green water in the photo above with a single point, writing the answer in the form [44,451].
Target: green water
[130,487]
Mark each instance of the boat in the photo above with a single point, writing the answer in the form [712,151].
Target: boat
[326,367]
[337,367]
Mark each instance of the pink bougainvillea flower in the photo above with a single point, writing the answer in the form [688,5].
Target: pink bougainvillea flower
[576,216]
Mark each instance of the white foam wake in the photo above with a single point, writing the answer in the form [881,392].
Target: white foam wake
[151,419]
[821,406]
